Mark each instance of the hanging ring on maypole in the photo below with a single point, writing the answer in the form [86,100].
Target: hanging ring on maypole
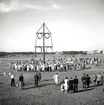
[39,36]
[47,36]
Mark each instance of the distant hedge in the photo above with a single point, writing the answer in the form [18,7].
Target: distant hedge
[6,54]
[74,52]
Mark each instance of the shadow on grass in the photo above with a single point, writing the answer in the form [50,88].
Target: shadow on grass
[47,80]
[1,75]
[44,80]
[88,67]
[93,86]
[87,89]
[1,83]
[40,85]
[82,90]
[25,88]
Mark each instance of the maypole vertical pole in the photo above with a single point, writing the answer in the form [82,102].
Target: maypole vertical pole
[44,43]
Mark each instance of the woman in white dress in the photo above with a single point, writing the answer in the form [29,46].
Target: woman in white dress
[66,84]
[27,67]
[62,86]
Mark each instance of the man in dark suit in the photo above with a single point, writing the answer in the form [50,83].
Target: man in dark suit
[36,79]
[88,81]
[70,83]
[76,81]
[21,81]
[84,81]
[39,76]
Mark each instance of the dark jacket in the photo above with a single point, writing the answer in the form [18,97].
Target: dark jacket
[36,77]
[88,79]
[76,81]
[21,78]
[70,83]
[39,75]
[83,79]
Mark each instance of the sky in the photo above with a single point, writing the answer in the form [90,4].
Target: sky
[75,24]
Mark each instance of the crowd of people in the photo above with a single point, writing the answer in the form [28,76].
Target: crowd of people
[67,84]
[21,84]
[71,85]
[62,64]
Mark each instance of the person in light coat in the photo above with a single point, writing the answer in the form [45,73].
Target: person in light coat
[12,80]
[5,74]
[66,84]
[99,78]
[28,67]
[56,78]
[62,86]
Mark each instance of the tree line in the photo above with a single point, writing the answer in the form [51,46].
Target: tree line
[74,52]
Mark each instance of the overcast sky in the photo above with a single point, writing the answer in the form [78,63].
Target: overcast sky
[74,24]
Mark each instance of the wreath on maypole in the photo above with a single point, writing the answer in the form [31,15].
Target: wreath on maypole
[39,36]
[47,36]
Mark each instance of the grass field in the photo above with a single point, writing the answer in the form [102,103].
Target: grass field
[47,93]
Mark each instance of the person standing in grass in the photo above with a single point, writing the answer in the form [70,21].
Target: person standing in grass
[12,80]
[103,81]
[62,86]
[39,75]
[99,78]
[71,83]
[56,78]
[103,78]
[5,74]
[76,81]
[66,87]
[88,80]
[94,79]
[84,81]
[21,81]
[36,79]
